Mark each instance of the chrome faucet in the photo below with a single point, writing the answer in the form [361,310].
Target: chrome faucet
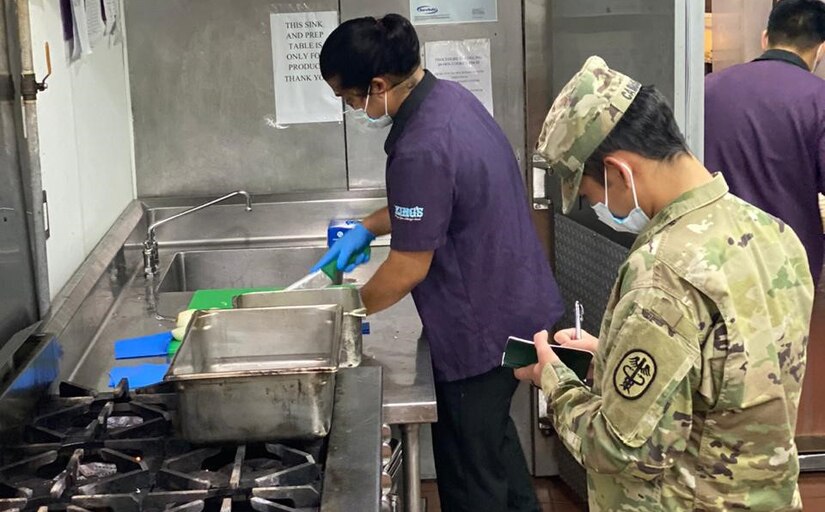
[150,245]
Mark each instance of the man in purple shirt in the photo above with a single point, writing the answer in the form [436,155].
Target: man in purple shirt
[462,243]
[765,123]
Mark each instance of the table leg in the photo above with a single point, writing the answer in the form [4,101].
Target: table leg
[412,467]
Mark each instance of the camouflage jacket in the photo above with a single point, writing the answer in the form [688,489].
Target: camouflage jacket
[699,368]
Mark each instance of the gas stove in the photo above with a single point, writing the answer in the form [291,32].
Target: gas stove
[117,452]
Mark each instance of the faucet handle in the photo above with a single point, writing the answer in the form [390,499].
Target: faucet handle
[150,255]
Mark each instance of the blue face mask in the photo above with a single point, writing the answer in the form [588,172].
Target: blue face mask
[361,117]
[636,220]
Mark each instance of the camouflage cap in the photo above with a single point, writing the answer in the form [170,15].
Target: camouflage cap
[581,117]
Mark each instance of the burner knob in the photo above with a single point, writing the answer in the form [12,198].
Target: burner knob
[386,433]
[386,483]
[386,454]
[389,503]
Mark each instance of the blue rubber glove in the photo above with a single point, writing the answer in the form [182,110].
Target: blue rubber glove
[352,243]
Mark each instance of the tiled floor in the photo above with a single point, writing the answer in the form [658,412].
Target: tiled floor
[556,497]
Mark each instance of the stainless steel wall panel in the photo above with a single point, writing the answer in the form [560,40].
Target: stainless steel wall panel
[203,102]
[18,298]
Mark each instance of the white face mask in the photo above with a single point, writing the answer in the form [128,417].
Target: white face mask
[361,117]
[636,220]
[818,59]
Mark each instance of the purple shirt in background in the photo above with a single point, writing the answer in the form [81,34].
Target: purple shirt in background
[765,131]
[454,187]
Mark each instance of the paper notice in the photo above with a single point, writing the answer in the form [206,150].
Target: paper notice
[112,12]
[94,21]
[466,62]
[80,33]
[301,94]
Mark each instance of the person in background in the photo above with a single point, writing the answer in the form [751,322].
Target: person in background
[765,123]
[462,243]
[699,364]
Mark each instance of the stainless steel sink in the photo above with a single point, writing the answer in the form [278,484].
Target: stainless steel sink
[252,268]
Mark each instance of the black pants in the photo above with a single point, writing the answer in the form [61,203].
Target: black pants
[478,458]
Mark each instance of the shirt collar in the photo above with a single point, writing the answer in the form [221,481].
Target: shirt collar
[408,108]
[784,56]
[682,205]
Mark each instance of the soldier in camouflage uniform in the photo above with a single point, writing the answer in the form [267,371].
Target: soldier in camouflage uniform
[701,355]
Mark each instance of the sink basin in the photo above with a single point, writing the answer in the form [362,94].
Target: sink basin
[252,268]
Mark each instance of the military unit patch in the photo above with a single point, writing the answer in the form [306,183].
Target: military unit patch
[634,374]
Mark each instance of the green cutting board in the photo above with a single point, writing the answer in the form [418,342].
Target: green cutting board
[221,298]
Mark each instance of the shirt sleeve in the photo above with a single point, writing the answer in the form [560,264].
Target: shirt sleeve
[420,193]
[641,418]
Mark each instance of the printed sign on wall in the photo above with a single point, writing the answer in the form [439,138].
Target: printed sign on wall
[301,95]
[466,62]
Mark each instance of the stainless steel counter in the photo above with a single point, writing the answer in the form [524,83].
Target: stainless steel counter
[87,331]
[394,343]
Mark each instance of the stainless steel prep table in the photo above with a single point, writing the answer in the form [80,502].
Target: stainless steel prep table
[395,343]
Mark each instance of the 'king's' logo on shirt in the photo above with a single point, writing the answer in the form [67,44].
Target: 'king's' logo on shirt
[413,213]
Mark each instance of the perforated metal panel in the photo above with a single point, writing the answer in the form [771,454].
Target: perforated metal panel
[586,267]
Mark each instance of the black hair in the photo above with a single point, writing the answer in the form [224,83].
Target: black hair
[364,48]
[647,128]
[797,24]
